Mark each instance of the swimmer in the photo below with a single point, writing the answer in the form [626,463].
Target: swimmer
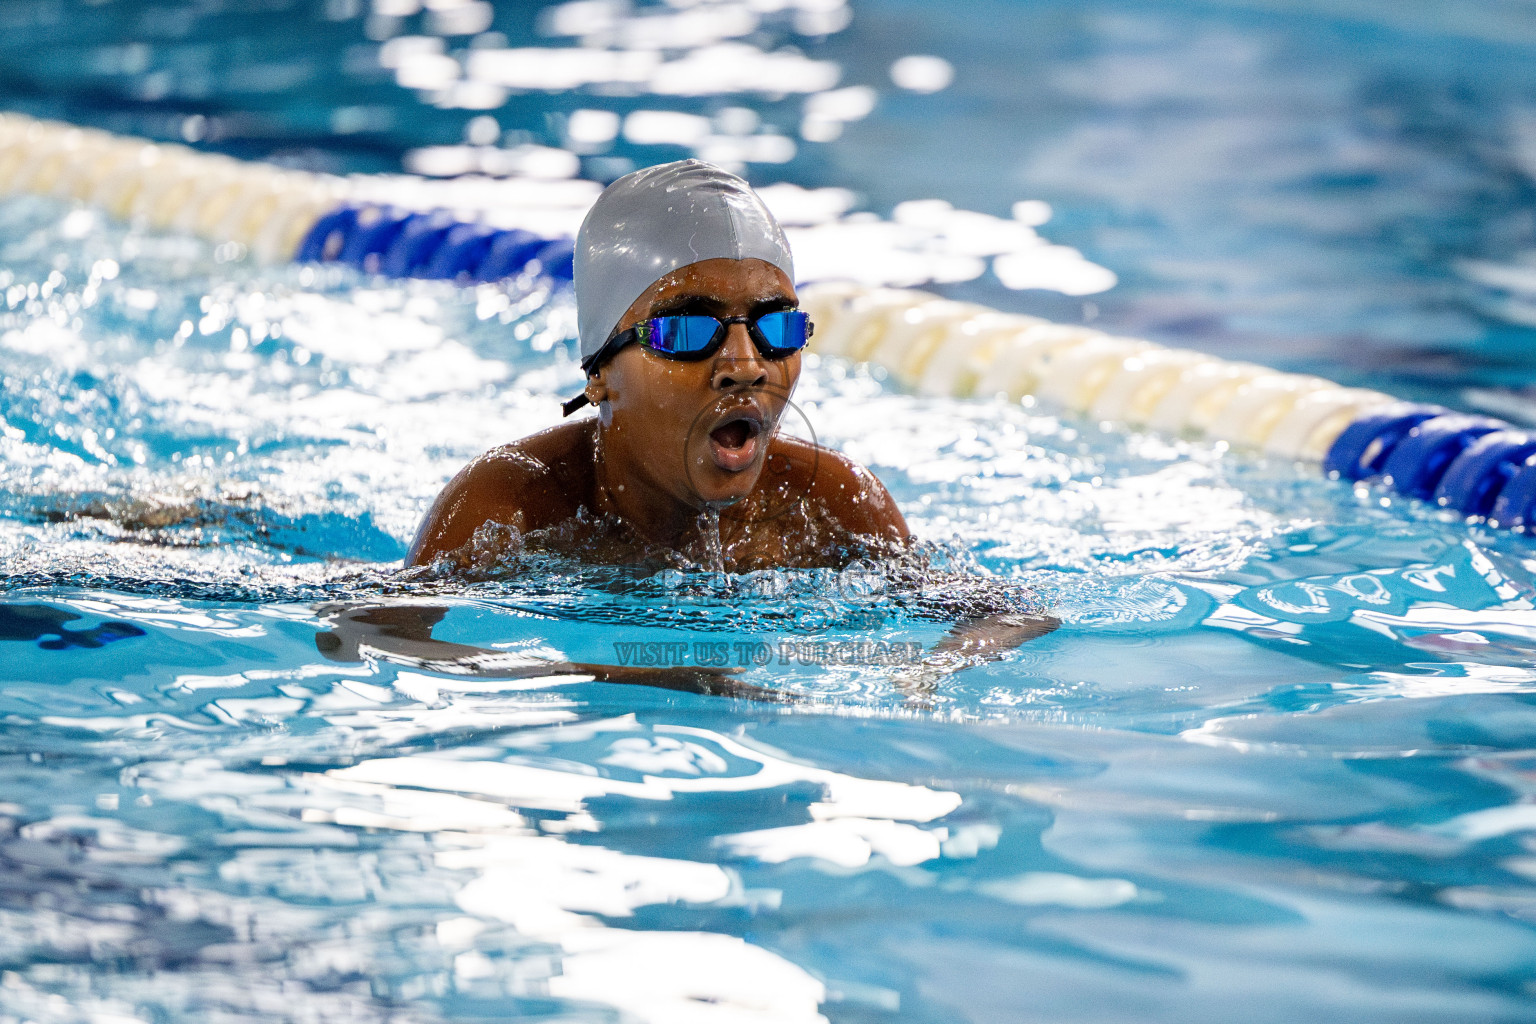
[691,339]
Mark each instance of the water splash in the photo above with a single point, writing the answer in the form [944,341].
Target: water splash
[709,535]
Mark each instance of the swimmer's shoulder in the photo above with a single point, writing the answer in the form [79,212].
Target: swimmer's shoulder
[836,487]
[530,484]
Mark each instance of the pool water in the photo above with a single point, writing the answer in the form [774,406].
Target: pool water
[1277,764]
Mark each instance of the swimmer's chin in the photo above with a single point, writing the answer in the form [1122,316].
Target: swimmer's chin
[720,486]
[726,493]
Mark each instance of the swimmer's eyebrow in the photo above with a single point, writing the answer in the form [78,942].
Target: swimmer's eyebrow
[710,306]
[681,304]
[777,302]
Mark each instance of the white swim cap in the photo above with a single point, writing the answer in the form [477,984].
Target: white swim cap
[653,221]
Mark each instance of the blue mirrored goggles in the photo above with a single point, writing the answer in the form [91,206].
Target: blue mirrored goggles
[694,336]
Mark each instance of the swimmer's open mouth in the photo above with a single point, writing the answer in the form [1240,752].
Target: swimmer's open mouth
[734,441]
[735,434]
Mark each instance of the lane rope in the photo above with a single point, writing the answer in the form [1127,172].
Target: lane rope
[276,214]
[1481,467]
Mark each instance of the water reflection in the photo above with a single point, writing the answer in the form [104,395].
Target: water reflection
[491,874]
[546,888]
[45,624]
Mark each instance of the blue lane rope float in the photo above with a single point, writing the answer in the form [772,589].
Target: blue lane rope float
[416,243]
[374,232]
[1475,465]
[1472,484]
[1512,509]
[1422,457]
[1364,446]
[326,239]
[462,251]
[508,250]
[430,244]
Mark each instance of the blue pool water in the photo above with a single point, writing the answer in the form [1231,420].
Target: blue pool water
[1277,764]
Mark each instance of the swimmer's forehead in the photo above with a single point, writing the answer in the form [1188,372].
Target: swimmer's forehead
[718,291]
[654,221]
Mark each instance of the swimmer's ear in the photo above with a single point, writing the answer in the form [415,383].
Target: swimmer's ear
[594,394]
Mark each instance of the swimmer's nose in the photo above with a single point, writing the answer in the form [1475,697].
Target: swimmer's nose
[739,364]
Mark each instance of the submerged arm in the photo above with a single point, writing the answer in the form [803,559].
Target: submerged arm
[402,635]
[991,636]
[990,618]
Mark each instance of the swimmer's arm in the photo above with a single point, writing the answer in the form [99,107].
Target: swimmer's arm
[402,635]
[990,617]
[494,488]
[989,637]
[969,642]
